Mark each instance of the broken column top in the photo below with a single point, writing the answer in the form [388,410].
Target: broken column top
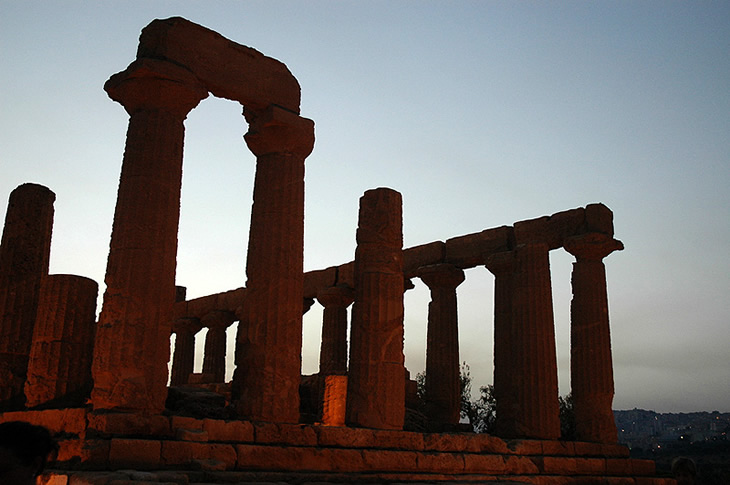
[227,69]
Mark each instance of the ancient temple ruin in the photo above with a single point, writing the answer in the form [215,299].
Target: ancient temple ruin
[103,384]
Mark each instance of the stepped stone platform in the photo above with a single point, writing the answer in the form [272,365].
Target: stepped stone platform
[118,449]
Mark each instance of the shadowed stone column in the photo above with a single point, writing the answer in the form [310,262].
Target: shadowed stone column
[502,265]
[376,381]
[269,347]
[591,365]
[183,359]
[59,368]
[333,350]
[214,361]
[132,340]
[443,389]
[535,365]
[24,255]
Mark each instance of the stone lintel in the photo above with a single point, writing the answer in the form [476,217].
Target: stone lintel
[471,250]
[198,307]
[314,281]
[346,274]
[423,255]
[227,69]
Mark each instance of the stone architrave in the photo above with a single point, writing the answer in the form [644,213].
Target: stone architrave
[268,350]
[443,388]
[59,368]
[183,359]
[132,341]
[333,350]
[376,379]
[534,362]
[214,360]
[502,266]
[24,255]
[591,364]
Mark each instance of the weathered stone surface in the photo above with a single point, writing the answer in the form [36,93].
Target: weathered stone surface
[134,453]
[376,381]
[24,256]
[471,250]
[184,355]
[284,433]
[228,431]
[334,404]
[59,366]
[333,350]
[423,255]
[314,281]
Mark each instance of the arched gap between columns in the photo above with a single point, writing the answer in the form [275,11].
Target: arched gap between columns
[231,333]
[169,362]
[312,338]
[415,326]
[561,267]
[217,193]
[199,350]
[475,301]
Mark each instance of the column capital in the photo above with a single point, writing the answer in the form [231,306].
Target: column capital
[592,246]
[152,85]
[218,319]
[442,275]
[187,324]
[500,263]
[276,130]
[336,296]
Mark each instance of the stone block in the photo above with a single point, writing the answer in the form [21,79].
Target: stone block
[134,453]
[553,465]
[643,467]
[225,454]
[440,462]
[198,435]
[69,449]
[316,280]
[229,431]
[492,464]
[423,255]
[289,434]
[525,447]
[558,448]
[183,453]
[583,448]
[53,479]
[389,461]
[345,437]
[67,421]
[615,451]
[599,218]
[446,442]
[275,458]
[184,422]
[399,440]
[346,274]
[590,466]
[618,466]
[343,460]
[484,443]
[520,465]
[472,249]
[128,424]
[95,453]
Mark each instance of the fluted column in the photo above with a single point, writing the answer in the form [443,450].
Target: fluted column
[535,364]
[24,255]
[443,388]
[333,350]
[376,382]
[268,351]
[502,266]
[132,342]
[591,365]
[214,360]
[183,359]
[59,368]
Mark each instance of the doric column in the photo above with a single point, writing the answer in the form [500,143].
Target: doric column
[268,350]
[535,364]
[214,360]
[591,365]
[376,380]
[59,368]
[132,341]
[502,266]
[24,255]
[184,357]
[443,389]
[333,350]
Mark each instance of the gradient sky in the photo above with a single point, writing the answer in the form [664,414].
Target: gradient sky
[480,113]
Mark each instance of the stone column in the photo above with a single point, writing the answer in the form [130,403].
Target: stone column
[443,388]
[132,340]
[535,372]
[333,350]
[502,265]
[591,366]
[214,361]
[184,357]
[24,254]
[376,381]
[59,368]
[269,347]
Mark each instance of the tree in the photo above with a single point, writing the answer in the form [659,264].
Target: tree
[567,417]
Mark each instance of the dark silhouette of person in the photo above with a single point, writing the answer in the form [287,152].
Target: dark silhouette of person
[24,451]
[684,471]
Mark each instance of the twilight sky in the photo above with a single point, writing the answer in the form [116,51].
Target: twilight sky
[480,113]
